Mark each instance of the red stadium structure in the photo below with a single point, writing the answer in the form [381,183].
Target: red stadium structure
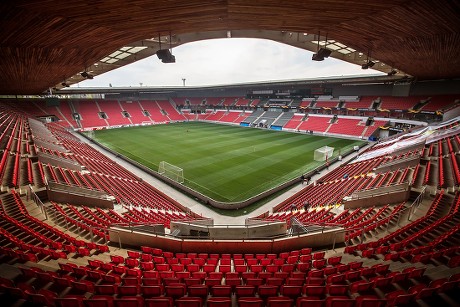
[377,226]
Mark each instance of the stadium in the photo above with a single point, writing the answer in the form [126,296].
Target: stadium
[338,191]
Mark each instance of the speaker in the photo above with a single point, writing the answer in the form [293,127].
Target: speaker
[317,57]
[325,53]
[368,64]
[321,54]
[166,56]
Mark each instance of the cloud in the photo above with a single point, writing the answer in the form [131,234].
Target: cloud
[226,61]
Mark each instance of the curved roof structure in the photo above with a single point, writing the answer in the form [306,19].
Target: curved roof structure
[44,43]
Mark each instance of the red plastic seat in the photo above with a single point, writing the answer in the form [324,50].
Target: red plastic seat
[291,291]
[279,301]
[250,302]
[99,301]
[219,302]
[189,302]
[245,291]
[133,301]
[198,290]
[69,301]
[317,291]
[309,302]
[265,291]
[128,290]
[175,290]
[221,291]
[151,291]
[338,301]
[105,289]
[158,302]
[337,289]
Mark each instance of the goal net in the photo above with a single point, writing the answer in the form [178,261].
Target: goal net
[323,153]
[171,171]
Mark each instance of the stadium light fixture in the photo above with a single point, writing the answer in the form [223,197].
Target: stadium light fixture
[86,75]
[392,72]
[165,55]
[369,63]
[321,53]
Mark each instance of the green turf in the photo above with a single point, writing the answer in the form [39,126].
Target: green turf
[226,163]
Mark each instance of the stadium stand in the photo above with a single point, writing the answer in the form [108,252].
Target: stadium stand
[315,123]
[348,126]
[437,103]
[89,114]
[83,269]
[114,113]
[169,110]
[135,111]
[294,122]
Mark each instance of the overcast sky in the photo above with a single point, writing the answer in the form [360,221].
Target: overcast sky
[226,61]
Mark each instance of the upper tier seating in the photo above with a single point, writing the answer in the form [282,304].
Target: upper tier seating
[89,114]
[315,123]
[114,112]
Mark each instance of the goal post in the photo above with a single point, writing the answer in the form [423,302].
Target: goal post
[171,171]
[323,153]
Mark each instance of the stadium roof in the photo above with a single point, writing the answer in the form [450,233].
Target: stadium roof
[44,43]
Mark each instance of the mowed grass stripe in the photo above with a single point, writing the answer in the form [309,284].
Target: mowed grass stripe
[276,164]
[226,163]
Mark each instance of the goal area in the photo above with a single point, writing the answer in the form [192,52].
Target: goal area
[323,153]
[171,171]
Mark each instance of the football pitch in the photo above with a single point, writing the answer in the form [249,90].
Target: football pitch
[226,163]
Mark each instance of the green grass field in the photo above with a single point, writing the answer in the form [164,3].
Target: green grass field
[226,163]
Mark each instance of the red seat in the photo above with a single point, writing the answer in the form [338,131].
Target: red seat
[245,291]
[158,302]
[369,301]
[250,302]
[291,291]
[43,297]
[99,301]
[219,302]
[221,291]
[279,301]
[399,297]
[69,301]
[275,281]
[309,302]
[337,289]
[318,291]
[265,291]
[151,291]
[175,290]
[189,302]
[233,282]
[360,286]
[338,301]
[198,290]
[105,289]
[128,290]
[132,301]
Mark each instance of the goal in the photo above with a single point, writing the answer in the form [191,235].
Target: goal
[323,153]
[171,171]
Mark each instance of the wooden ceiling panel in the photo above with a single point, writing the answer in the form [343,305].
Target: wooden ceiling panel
[44,41]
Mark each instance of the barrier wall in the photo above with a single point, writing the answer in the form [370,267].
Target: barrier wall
[127,238]
[259,230]
[57,161]
[79,196]
[380,196]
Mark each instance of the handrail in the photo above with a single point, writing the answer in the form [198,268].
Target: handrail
[37,200]
[377,188]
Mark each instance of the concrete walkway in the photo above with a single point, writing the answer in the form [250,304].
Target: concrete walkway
[197,207]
